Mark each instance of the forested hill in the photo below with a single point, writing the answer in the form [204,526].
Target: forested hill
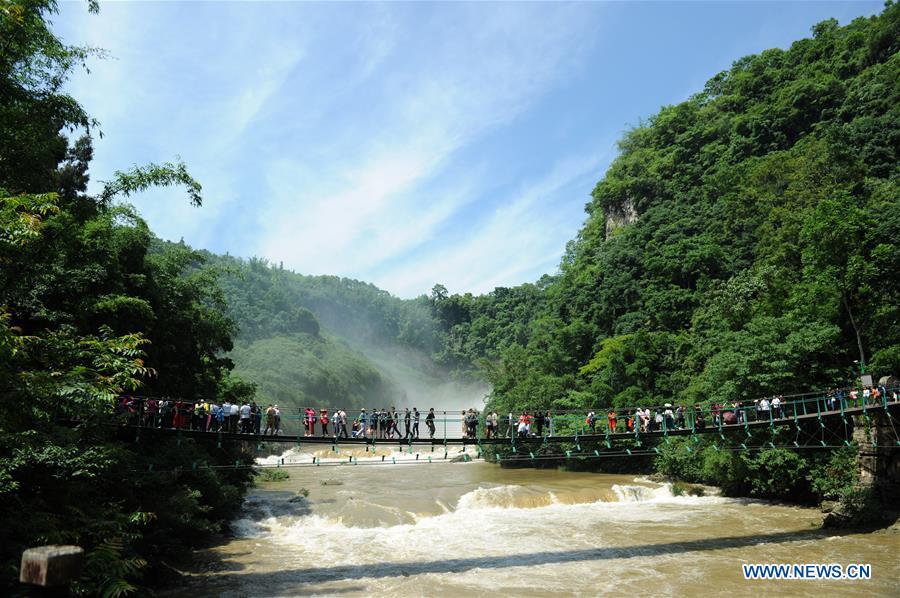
[330,341]
[743,242]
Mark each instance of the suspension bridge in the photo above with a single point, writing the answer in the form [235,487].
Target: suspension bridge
[806,422]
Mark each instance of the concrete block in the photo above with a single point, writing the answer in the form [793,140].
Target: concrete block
[50,566]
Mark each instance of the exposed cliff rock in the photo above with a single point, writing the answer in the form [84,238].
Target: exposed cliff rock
[619,216]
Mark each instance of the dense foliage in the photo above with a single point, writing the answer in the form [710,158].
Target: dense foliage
[88,312]
[743,243]
[325,341]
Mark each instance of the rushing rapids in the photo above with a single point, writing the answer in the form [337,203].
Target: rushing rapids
[453,529]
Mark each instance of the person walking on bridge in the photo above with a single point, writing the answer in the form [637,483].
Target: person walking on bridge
[270,421]
[323,419]
[362,419]
[343,419]
[415,433]
[429,421]
[245,418]
[407,419]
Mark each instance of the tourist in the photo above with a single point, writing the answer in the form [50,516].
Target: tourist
[407,423]
[415,432]
[270,421]
[343,422]
[211,427]
[471,424]
[876,395]
[548,418]
[277,420]
[255,418]
[383,424]
[373,423]
[764,412]
[776,407]
[429,421]
[226,409]
[310,421]
[395,423]
[488,426]
[668,417]
[679,416]
[523,425]
[245,418]
[235,416]
[336,422]
[699,424]
[611,421]
[220,418]
[362,423]
[151,413]
[539,423]
[591,421]
[323,419]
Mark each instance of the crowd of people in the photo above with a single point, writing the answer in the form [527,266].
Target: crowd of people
[205,416]
[247,417]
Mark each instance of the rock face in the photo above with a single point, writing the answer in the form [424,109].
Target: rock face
[879,465]
[619,216]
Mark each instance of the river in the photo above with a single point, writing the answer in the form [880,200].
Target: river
[465,529]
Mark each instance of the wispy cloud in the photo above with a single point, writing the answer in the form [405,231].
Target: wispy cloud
[388,197]
[401,143]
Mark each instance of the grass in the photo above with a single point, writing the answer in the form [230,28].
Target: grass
[273,475]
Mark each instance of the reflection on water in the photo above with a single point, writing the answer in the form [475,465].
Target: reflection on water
[453,529]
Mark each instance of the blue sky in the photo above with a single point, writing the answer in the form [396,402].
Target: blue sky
[403,144]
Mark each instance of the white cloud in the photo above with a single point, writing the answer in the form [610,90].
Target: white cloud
[383,200]
[522,237]
[337,139]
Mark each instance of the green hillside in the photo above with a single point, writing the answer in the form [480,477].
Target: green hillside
[329,341]
[744,242]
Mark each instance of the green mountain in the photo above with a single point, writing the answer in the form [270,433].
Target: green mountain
[326,341]
[744,242]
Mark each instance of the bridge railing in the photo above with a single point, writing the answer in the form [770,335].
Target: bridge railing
[150,412]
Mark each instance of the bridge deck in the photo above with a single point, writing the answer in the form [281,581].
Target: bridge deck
[709,429]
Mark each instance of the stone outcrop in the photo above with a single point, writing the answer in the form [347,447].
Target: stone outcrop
[619,216]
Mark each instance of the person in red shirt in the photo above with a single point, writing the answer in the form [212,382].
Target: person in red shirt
[323,419]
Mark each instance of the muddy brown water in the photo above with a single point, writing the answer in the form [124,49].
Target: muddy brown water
[467,529]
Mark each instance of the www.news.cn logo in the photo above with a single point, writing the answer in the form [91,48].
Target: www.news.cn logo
[807,571]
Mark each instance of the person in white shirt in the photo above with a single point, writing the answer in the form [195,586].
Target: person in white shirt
[233,420]
[245,418]
[764,409]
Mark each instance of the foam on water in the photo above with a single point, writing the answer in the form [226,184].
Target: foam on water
[339,454]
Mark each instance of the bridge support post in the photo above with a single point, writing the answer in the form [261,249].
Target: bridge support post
[879,452]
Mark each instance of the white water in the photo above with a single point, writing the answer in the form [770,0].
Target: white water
[454,529]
